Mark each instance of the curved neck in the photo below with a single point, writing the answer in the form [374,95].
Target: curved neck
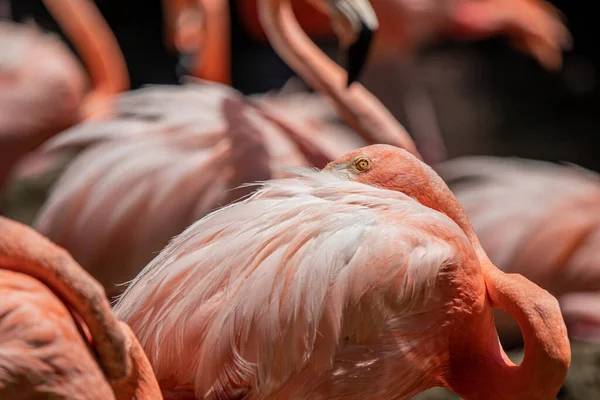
[140,383]
[93,39]
[547,348]
[547,351]
[357,106]
[422,183]
[25,251]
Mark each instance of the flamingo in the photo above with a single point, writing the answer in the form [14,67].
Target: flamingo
[55,317]
[364,280]
[43,87]
[534,26]
[541,220]
[172,154]
[394,73]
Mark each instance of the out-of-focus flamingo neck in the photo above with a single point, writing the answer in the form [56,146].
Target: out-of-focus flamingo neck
[99,50]
[357,106]
[215,63]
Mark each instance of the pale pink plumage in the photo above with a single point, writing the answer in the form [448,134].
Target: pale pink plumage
[43,86]
[35,102]
[292,282]
[169,156]
[541,220]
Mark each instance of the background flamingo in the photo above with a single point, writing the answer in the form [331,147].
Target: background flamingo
[40,98]
[198,138]
[407,27]
[541,220]
[54,319]
[318,287]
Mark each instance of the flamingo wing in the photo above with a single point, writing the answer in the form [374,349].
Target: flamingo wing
[156,109]
[259,290]
[119,202]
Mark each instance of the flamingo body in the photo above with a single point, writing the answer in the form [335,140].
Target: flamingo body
[318,287]
[169,156]
[249,270]
[37,99]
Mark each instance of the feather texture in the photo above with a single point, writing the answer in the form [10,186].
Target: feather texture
[299,283]
[509,200]
[166,158]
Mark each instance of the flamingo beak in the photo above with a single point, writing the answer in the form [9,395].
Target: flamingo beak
[355,23]
[358,52]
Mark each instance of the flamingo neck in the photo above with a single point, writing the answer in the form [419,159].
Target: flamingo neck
[479,368]
[25,251]
[357,106]
[140,382]
[483,371]
[93,39]
[215,64]
[202,27]
[422,183]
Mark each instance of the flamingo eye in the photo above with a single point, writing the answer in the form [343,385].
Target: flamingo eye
[362,164]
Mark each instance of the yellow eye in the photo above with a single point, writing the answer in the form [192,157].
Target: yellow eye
[362,163]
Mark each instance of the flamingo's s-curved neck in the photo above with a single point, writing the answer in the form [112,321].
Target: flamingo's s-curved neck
[357,106]
[93,39]
[25,251]
[547,350]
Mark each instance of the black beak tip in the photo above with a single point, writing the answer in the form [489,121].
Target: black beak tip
[358,53]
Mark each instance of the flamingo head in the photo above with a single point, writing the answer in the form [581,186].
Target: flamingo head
[381,165]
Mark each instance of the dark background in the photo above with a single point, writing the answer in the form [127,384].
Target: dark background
[489,98]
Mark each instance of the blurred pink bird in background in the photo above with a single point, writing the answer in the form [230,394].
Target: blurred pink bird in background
[407,27]
[43,86]
[318,287]
[540,220]
[58,336]
[170,155]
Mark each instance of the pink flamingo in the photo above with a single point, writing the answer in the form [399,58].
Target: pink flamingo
[43,87]
[364,280]
[406,26]
[541,220]
[53,318]
[172,154]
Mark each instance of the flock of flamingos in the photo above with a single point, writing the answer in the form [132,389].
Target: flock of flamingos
[238,269]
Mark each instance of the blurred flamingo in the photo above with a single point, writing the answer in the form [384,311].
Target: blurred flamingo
[43,87]
[58,337]
[541,220]
[407,26]
[200,31]
[169,155]
[362,281]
